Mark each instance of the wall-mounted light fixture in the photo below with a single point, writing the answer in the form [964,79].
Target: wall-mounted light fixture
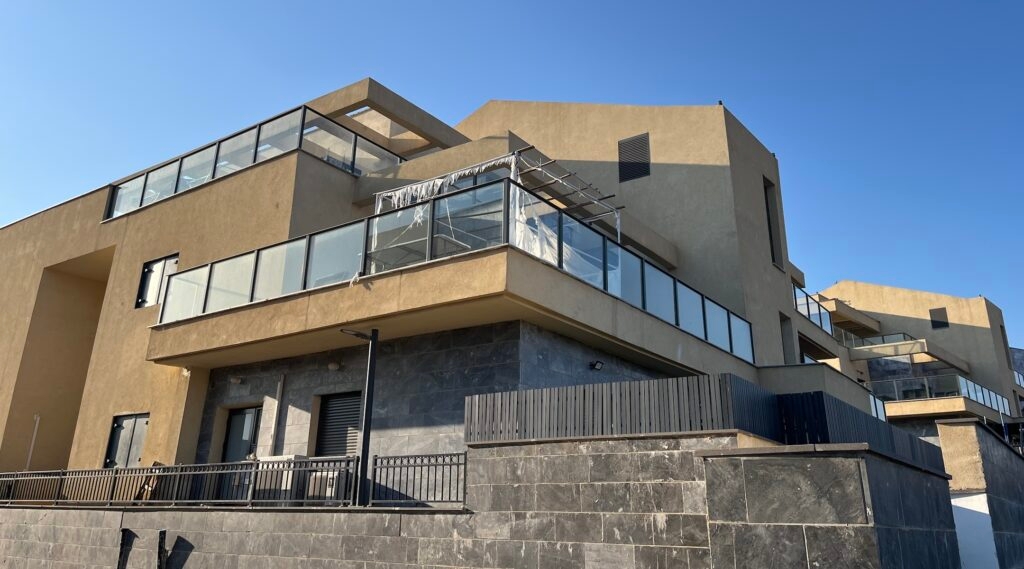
[596,365]
[333,366]
[235,380]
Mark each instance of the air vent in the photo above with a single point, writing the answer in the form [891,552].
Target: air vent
[634,157]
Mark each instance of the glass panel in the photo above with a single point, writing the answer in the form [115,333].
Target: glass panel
[160,183]
[491,175]
[398,239]
[336,255]
[370,157]
[691,310]
[152,282]
[718,324]
[826,319]
[279,270]
[624,280]
[127,196]
[964,389]
[945,386]
[279,136]
[327,140]
[235,153]
[185,294]
[230,283]
[884,390]
[659,295]
[196,168]
[534,225]
[468,221]
[582,252]
[742,342]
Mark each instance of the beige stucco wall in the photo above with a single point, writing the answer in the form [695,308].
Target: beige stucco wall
[974,326]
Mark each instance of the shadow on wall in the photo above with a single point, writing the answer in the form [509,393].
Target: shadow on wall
[974,535]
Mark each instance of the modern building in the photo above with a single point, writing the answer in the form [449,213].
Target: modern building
[214,309]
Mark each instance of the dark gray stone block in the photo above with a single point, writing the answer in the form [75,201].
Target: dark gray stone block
[578,527]
[559,555]
[680,530]
[804,490]
[558,497]
[725,489]
[656,497]
[842,547]
[637,529]
[532,526]
[604,556]
[607,497]
[517,554]
[723,545]
[664,466]
[760,546]
[659,557]
[612,467]
[700,558]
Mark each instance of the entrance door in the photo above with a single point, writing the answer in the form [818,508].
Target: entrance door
[127,437]
[239,442]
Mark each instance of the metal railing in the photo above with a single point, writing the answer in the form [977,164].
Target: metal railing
[492,214]
[416,480]
[806,304]
[853,341]
[937,386]
[316,482]
[297,128]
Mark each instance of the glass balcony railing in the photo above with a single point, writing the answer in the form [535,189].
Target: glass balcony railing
[299,128]
[936,386]
[466,220]
[1018,378]
[812,309]
[854,341]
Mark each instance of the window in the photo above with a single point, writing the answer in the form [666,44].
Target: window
[279,136]
[236,153]
[127,196]
[939,317]
[127,436]
[771,204]
[337,431]
[151,285]
[160,183]
[634,157]
[196,168]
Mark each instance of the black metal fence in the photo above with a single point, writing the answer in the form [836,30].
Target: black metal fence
[819,418]
[287,483]
[672,405]
[419,479]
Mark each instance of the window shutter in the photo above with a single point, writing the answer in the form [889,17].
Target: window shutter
[338,430]
[634,157]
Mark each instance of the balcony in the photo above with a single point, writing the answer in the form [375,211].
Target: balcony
[479,218]
[301,128]
[851,340]
[939,386]
[812,309]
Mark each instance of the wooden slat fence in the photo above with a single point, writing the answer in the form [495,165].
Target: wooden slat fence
[819,418]
[672,405]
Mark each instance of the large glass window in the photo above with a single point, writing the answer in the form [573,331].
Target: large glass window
[279,136]
[185,294]
[230,282]
[717,319]
[279,270]
[235,153]
[659,294]
[624,278]
[468,221]
[160,183]
[151,285]
[742,342]
[534,225]
[691,310]
[398,239]
[582,252]
[370,157]
[127,196]
[335,256]
[328,141]
[196,168]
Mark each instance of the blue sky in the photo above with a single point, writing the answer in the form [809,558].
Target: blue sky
[897,124]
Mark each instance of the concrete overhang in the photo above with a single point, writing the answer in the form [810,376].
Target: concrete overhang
[494,285]
[939,407]
[909,348]
[371,94]
[849,318]
[796,274]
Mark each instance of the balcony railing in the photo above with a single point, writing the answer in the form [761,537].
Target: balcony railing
[1018,378]
[463,221]
[812,309]
[299,128]
[936,386]
[289,483]
[417,480]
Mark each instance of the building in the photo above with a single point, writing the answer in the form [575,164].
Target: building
[213,309]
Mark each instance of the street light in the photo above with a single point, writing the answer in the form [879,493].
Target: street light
[363,499]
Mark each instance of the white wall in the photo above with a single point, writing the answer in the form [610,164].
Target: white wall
[974,531]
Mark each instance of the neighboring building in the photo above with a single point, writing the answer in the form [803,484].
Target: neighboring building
[213,309]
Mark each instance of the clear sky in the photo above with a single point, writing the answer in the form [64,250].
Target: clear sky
[898,125]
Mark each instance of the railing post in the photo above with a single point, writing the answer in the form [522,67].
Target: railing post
[465,474]
[113,486]
[60,487]
[369,491]
[252,483]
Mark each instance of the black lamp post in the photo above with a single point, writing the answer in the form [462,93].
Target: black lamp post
[366,418]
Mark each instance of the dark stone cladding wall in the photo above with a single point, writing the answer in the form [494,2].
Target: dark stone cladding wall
[653,503]
[1004,487]
[833,510]
[421,385]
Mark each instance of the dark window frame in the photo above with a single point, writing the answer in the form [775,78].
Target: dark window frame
[140,300]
